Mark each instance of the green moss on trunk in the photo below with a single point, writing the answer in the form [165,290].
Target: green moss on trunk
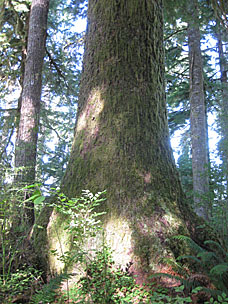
[122,141]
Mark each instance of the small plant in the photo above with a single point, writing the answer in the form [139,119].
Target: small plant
[19,285]
[214,262]
[104,284]
[82,221]
[49,292]
[16,275]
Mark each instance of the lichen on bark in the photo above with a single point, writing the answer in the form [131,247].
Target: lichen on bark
[121,141]
[200,162]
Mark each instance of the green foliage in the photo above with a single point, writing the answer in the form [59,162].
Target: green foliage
[49,291]
[163,296]
[13,20]
[18,277]
[19,284]
[17,280]
[61,74]
[35,195]
[103,283]
[8,247]
[82,221]
[213,261]
[13,35]
[223,299]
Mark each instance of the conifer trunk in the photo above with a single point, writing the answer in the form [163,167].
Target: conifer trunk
[26,142]
[198,116]
[223,62]
[121,140]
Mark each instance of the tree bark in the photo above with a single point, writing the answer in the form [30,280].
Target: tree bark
[121,140]
[223,116]
[26,142]
[198,118]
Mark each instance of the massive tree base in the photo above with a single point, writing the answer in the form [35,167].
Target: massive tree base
[142,244]
[122,143]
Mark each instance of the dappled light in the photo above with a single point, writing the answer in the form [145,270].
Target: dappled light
[93,207]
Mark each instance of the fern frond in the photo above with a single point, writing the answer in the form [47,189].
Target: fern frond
[49,291]
[219,269]
[218,246]
[191,243]
[188,284]
[207,256]
[213,292]
[192,257]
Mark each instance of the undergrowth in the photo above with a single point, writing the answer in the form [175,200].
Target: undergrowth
[103,282]
[212,261]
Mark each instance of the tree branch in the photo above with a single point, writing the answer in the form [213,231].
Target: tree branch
[52,61]
[174,33]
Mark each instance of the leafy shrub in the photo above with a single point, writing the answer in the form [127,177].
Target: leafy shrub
[103,283]
[19,284]
[82,222]
[17,276]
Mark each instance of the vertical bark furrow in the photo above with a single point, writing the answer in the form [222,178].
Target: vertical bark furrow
[26,142]
[198,116]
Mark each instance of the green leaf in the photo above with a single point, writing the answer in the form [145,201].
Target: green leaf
[30,186]
[224,295]
[219,269]
[220,298]
[39,200]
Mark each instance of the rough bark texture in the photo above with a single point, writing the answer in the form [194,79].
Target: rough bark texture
[122,141]
[26,142]
[224,102]
[198,116]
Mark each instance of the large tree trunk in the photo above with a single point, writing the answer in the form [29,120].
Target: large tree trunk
[26,142]
[198,116]
[122,141]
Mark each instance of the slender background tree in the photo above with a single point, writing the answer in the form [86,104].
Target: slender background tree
[27,135]
[200,164]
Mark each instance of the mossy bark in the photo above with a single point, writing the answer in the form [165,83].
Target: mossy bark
[223,63]
[122,141]
[199,140]
[27,135]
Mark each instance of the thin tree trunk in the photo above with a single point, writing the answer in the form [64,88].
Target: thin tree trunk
[26,142]
[223,104]
[198,116]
